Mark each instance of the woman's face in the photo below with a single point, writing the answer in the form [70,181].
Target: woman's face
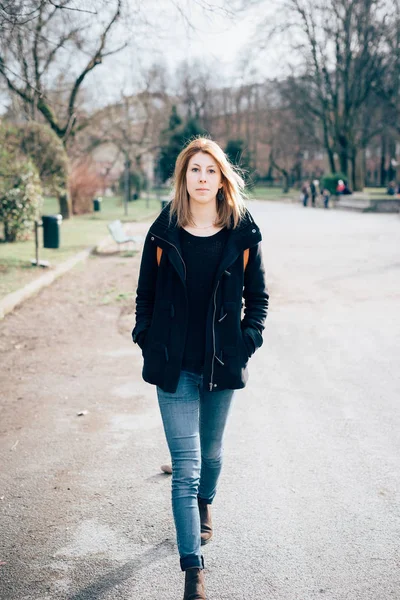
[203,178]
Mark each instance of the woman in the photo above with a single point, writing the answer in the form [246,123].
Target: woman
[201,257]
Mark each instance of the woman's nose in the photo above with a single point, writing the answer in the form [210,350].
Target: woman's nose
[202,176]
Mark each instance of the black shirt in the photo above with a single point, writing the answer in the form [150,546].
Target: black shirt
[202,256]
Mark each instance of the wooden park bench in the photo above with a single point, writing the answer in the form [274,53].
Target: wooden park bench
[119,235]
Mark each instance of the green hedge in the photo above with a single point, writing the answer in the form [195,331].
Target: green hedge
[330,181]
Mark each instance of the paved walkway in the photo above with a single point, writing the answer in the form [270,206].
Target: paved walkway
[309,499]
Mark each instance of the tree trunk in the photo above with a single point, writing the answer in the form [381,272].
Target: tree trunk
[331,155]
[331,158]
[344,161]
[286,182]
[364,167]
[65,204]
[353,173]
[298,171]
[10,235]
[383,161]
[392,156]
[357,172]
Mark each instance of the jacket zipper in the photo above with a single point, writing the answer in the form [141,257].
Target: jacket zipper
[173,245]
[211,384]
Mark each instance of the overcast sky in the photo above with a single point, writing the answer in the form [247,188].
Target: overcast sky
[219,42]
[159,32]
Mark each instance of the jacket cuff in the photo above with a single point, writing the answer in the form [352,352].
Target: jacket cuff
[249,343]
[138,336]
[252,339]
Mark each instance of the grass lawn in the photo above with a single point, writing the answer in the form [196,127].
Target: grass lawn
[270,193]
[378,193]
[76,234]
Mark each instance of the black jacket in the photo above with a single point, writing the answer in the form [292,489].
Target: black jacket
[161,307]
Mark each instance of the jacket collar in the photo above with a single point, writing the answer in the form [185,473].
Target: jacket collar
[245,235]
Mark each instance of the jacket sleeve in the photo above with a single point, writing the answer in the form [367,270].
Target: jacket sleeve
[256,300]
[145,292]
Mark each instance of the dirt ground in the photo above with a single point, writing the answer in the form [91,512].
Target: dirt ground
[61,472]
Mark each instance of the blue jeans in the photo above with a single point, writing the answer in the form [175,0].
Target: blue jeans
[194,422]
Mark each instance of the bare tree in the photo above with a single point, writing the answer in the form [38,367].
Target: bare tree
[13,13]
[38,44]
[286,135]
[389,83]
[195,84]
[132,125]
[339,54]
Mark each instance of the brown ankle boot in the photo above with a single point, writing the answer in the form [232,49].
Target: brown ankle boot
[205,521]
[194,584]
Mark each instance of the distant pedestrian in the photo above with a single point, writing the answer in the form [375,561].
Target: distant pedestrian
[341,186]
[305,190]
[201,256]
[313,191]
[391,190]
[347,191]
[325,197]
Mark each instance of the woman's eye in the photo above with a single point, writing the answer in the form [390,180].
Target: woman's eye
[211,171]
[195,169]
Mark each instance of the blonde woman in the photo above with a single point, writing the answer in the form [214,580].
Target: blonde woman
[201,258]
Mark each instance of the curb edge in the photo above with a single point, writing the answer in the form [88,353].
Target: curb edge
[11,301]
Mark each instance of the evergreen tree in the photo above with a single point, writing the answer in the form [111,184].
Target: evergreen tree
[176,137]
[240,157]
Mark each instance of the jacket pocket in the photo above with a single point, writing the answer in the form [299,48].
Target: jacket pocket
[235,357]
[156,357]
[157,352]
[252,340]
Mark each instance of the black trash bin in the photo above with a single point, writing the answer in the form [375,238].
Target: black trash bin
[97,204]
[164,202]
[51,231]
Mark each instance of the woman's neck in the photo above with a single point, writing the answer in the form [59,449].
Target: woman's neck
[203,215]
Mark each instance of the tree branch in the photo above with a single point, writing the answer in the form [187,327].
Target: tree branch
[63,6]
[60,44]
[95,60]
[11,85]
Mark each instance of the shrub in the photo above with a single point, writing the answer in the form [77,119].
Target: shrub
[41,145]
[45,148]
[20,197]
[84,184]
[37,142]
[330,181]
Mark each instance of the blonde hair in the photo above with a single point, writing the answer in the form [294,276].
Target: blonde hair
[231,198]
